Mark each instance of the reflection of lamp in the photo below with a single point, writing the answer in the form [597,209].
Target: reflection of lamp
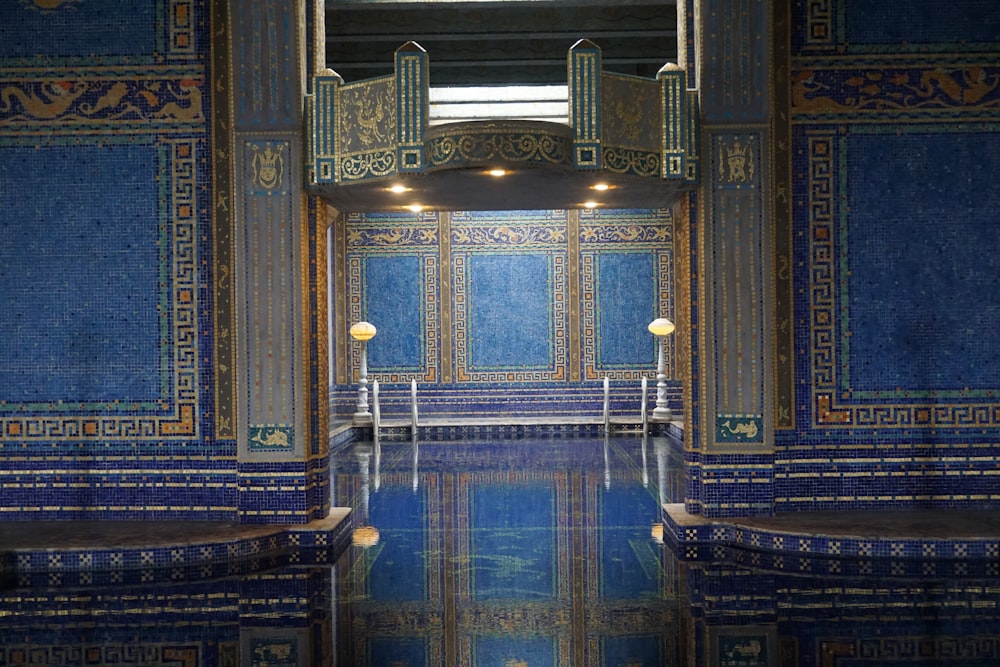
[661,327]
[365,536]
[363,332]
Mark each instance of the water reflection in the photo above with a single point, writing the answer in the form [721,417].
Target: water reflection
[506,552]
[519,553]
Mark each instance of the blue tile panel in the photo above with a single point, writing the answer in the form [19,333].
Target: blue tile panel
[82,30]
[928,22]
[395,288]
[871,26]
[510,318]
[730,484]
[106,396]
[627,303]
[893,128]
[188,562]
[919,323]
[283,491]
[80,298]
[486,306]
[711,539]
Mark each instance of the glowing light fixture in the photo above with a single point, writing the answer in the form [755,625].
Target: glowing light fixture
[661,327]
[600,186]
[363,332]
[591,204]
[416,208]
[497,172]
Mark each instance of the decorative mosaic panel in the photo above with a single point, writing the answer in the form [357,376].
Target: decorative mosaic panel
[628,236]
[931,373]
[738,242]
[891,143]
[632,124]
[106,111]
[366,116]
[393,274]
[516,330]
[463,264]
[76,389]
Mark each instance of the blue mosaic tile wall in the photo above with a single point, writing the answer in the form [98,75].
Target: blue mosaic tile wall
[106,171]
[504,312]
[892,392]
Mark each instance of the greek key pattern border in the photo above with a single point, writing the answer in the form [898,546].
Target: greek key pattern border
[558,368]
[830,407]
[177,416]
[429,316]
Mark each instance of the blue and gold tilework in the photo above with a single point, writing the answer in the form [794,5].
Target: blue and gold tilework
[890,396]
[495,311]
[106,160]
[241,618]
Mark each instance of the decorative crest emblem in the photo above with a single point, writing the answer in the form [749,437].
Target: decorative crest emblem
[736,163]
[267,166]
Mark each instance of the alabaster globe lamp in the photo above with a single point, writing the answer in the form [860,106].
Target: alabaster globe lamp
[661,327]
[363,332]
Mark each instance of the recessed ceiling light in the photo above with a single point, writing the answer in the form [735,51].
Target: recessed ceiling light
[416,208]
[497,172]
[601,186]
[591,204]
[398,188]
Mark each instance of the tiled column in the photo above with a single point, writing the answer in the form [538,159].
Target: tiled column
[731,452]
[278,271]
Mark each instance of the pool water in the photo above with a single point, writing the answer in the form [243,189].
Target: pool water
[506,552]
[519,552]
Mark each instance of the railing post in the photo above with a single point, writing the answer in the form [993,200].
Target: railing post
[413,405]
[607,405]
[376,411]
[644,411]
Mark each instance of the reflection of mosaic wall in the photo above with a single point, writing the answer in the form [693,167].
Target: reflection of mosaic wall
[225,621]
[826,612]
[526,309]
[105,158]
[492,555]
[893,212]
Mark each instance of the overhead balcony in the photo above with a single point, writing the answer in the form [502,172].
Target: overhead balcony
[604,139]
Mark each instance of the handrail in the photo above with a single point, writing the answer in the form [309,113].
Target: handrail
[644,411]
[376,411]
[607,406]
[413,405]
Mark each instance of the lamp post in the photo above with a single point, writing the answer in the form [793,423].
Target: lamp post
[661,327]
[363,332]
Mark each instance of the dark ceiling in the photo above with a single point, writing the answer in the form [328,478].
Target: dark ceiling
[500,43]
[518,42]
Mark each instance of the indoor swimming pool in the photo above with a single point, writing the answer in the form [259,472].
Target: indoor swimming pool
[525,551]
